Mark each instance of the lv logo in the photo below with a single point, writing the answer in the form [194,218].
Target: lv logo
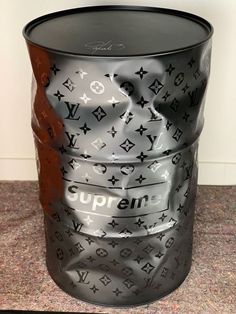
[83,276]
[72,111]
[72,140]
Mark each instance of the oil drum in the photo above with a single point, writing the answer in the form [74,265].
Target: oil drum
[118,98]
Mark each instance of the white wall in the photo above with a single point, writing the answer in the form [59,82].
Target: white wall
[217,154]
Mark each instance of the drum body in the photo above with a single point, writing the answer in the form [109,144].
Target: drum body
[116,141]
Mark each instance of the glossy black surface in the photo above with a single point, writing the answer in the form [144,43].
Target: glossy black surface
[117,148]
[118,30]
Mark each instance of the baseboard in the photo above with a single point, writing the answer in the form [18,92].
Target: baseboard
[210,173]
[217,173]
[18,169]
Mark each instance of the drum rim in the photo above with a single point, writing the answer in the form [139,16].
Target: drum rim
[195,18]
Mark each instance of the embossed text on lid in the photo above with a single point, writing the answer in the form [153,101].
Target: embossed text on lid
[118,31]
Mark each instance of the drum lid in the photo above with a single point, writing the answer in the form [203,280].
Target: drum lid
[118,31]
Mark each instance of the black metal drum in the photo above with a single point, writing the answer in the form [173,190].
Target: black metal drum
[118,102]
